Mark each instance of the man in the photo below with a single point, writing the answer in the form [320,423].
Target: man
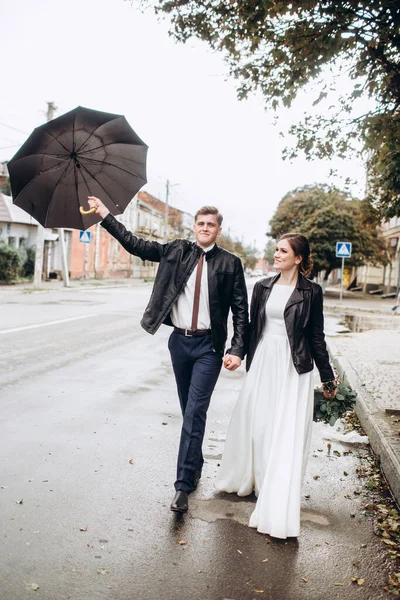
[195,287]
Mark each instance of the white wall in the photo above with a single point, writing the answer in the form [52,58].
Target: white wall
[18,231]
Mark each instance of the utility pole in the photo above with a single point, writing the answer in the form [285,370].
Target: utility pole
[61,239]
[166,212]
[37,278]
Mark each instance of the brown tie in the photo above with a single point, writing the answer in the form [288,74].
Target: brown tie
[196,301]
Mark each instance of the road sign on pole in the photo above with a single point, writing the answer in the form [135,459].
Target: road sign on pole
[85,237]
[343,250]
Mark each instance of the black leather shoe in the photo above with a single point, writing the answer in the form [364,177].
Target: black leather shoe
[180,502]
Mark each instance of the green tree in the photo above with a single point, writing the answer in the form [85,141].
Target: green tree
[270,251]
[247,254]
[28,267]
[279,47]
[6,187]
[325,216]
[10,262]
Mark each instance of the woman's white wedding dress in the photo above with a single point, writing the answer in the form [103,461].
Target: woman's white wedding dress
[268,438]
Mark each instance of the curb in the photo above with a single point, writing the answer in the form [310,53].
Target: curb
[109,285]
[383,440]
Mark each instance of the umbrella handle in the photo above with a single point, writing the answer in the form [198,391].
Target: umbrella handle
[86,212]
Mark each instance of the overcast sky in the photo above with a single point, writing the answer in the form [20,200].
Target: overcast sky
[106,55]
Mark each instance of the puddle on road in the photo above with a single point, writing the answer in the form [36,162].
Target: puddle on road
[219,508]
[358,323]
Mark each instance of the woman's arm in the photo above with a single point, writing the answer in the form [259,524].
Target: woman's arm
[318,345]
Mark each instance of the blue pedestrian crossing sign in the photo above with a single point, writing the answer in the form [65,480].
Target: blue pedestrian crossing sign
[343,249]
[85,237]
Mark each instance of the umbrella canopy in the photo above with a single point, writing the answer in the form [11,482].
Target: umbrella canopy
[82,153]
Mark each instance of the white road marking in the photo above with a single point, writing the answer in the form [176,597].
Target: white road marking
[15,329]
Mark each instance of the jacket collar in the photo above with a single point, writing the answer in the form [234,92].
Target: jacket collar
[209,254]
[302,282]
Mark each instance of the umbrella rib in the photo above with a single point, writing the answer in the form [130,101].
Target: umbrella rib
[88,138]
[54,189]
[58,141]
[104,162]
[38,175]
[112,144]
[102,186]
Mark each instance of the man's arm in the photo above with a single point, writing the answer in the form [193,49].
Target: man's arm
[134,245]
[240,317]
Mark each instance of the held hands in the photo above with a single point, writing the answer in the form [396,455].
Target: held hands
[99,207]
[231,362]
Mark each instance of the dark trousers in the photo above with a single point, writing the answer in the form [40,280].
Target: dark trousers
[196,367]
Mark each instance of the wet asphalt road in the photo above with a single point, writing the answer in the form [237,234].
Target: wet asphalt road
[89,430]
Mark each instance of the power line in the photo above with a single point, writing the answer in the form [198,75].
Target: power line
[6,139]
[15,128]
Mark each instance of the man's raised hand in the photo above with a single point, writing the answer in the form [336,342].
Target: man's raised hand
[96,203]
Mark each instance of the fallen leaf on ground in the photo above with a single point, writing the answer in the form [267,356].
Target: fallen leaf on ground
[266,560]
[20,501]
[240,552]
[316,477]
[164,423]
[182,542]
[389,542]
[258,591]
[305,579]
[357,581]
[345,473]
[34,586]
[83,528]
[131,461]
[102,571]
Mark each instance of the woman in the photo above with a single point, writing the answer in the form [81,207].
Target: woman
[269,435]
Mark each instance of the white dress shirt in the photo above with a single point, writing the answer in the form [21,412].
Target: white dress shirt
[182,309]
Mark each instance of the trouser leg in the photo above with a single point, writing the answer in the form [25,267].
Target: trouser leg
[182,363]
[204,371]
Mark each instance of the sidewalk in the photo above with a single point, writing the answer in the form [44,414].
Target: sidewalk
[56,284]
[369,361]
[356,301]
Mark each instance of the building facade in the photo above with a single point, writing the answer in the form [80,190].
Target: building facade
[95,253]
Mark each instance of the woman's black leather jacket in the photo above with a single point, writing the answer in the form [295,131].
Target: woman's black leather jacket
[304,322]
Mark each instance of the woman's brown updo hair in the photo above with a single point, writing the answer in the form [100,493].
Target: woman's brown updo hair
[301,247]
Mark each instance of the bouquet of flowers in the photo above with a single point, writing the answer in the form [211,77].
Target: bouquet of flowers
[330,410]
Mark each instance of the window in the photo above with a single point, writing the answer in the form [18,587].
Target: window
[12,241]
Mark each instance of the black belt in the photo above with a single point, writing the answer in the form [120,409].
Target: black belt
[189,333]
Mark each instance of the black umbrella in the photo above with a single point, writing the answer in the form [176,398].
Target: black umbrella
[82,153]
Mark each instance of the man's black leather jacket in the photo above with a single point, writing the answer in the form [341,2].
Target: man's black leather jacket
[304,322]
[226,284]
